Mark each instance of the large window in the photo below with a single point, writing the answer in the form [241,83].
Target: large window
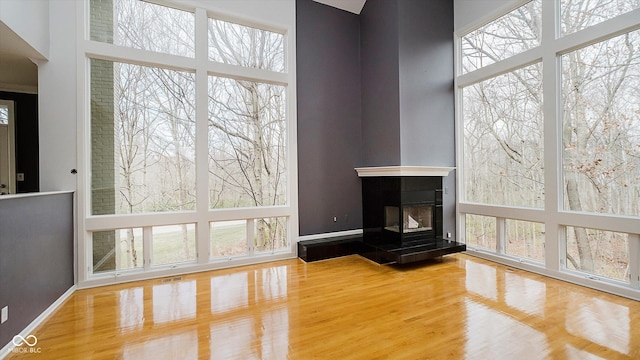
[143,138]
[511,34]
[601,126]
[503,127]
[247,143]
[549,130]
[188,159]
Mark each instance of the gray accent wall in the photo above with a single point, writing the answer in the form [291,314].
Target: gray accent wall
[36,257]
[374,89]
[329,115]
[380,83]
[426,82]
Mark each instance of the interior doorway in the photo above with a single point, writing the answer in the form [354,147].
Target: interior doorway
[7,148]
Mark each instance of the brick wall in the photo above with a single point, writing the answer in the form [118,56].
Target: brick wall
[103,199]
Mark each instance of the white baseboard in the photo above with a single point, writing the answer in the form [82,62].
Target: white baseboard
[6,350]
[330,235]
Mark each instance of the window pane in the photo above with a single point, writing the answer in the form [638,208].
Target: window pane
[247,143]
[601,127]
[525,239]
[173,244]
[143,25]
[143,139]
[228,238]
[511,34]
[270,234]
[117,249]
[603,253]
[481,231]
[4,115]
[235,44]
[503,139]
[577,15]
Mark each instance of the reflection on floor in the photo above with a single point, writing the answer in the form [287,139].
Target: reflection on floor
[460,308]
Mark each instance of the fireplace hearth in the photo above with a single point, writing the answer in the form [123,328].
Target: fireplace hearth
[403,217]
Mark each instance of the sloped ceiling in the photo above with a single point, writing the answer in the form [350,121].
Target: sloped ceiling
[17,72]
[354,6]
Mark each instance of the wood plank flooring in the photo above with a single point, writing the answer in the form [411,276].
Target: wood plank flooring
[344,308]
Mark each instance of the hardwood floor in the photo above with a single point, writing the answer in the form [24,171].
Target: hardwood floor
[344,308]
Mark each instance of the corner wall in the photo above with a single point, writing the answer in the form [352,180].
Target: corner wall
[329,115]
[380,83]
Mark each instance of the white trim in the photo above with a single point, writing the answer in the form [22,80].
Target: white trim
[83,162]
[608,29]
[35,194]
[203,241]
[403,171]
[500,67]
[28,330]
[124,276]
[330,235]
[507,212]
[106,222]
[634,258]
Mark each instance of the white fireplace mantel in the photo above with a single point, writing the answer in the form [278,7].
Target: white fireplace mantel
[403,171]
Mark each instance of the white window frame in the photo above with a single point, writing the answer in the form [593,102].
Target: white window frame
[254,13]
[553,216]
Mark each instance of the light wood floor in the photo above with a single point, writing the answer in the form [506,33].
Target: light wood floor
[345,308]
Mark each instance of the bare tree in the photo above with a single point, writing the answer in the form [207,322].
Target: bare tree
[600,124]
[247,136]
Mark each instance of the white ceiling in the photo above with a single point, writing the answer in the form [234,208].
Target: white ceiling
[354,6]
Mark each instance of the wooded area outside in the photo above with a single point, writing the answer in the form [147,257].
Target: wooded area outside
[503,123]
[153,131]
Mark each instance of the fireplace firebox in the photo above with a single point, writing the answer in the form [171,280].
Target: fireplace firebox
[416,219]
[401,210]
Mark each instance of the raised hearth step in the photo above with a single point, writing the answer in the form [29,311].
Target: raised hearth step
[331,247]
[408,253]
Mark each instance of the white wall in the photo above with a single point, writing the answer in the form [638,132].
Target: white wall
[277,12]
[472,13]
[57,100]
[30,21]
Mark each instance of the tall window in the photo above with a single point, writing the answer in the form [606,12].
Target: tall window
[550,127]
[503,127]
[601,126]
[189,136]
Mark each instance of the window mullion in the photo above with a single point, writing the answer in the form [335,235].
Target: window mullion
[202,151]
[551,84]
[500,235]
[634,260]
[250,235]
[147,247]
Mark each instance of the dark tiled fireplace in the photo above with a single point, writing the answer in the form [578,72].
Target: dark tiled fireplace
[402,214]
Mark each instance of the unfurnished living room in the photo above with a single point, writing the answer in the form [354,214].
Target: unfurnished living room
[320,179]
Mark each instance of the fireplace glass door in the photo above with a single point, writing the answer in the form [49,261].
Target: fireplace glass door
[415,218]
